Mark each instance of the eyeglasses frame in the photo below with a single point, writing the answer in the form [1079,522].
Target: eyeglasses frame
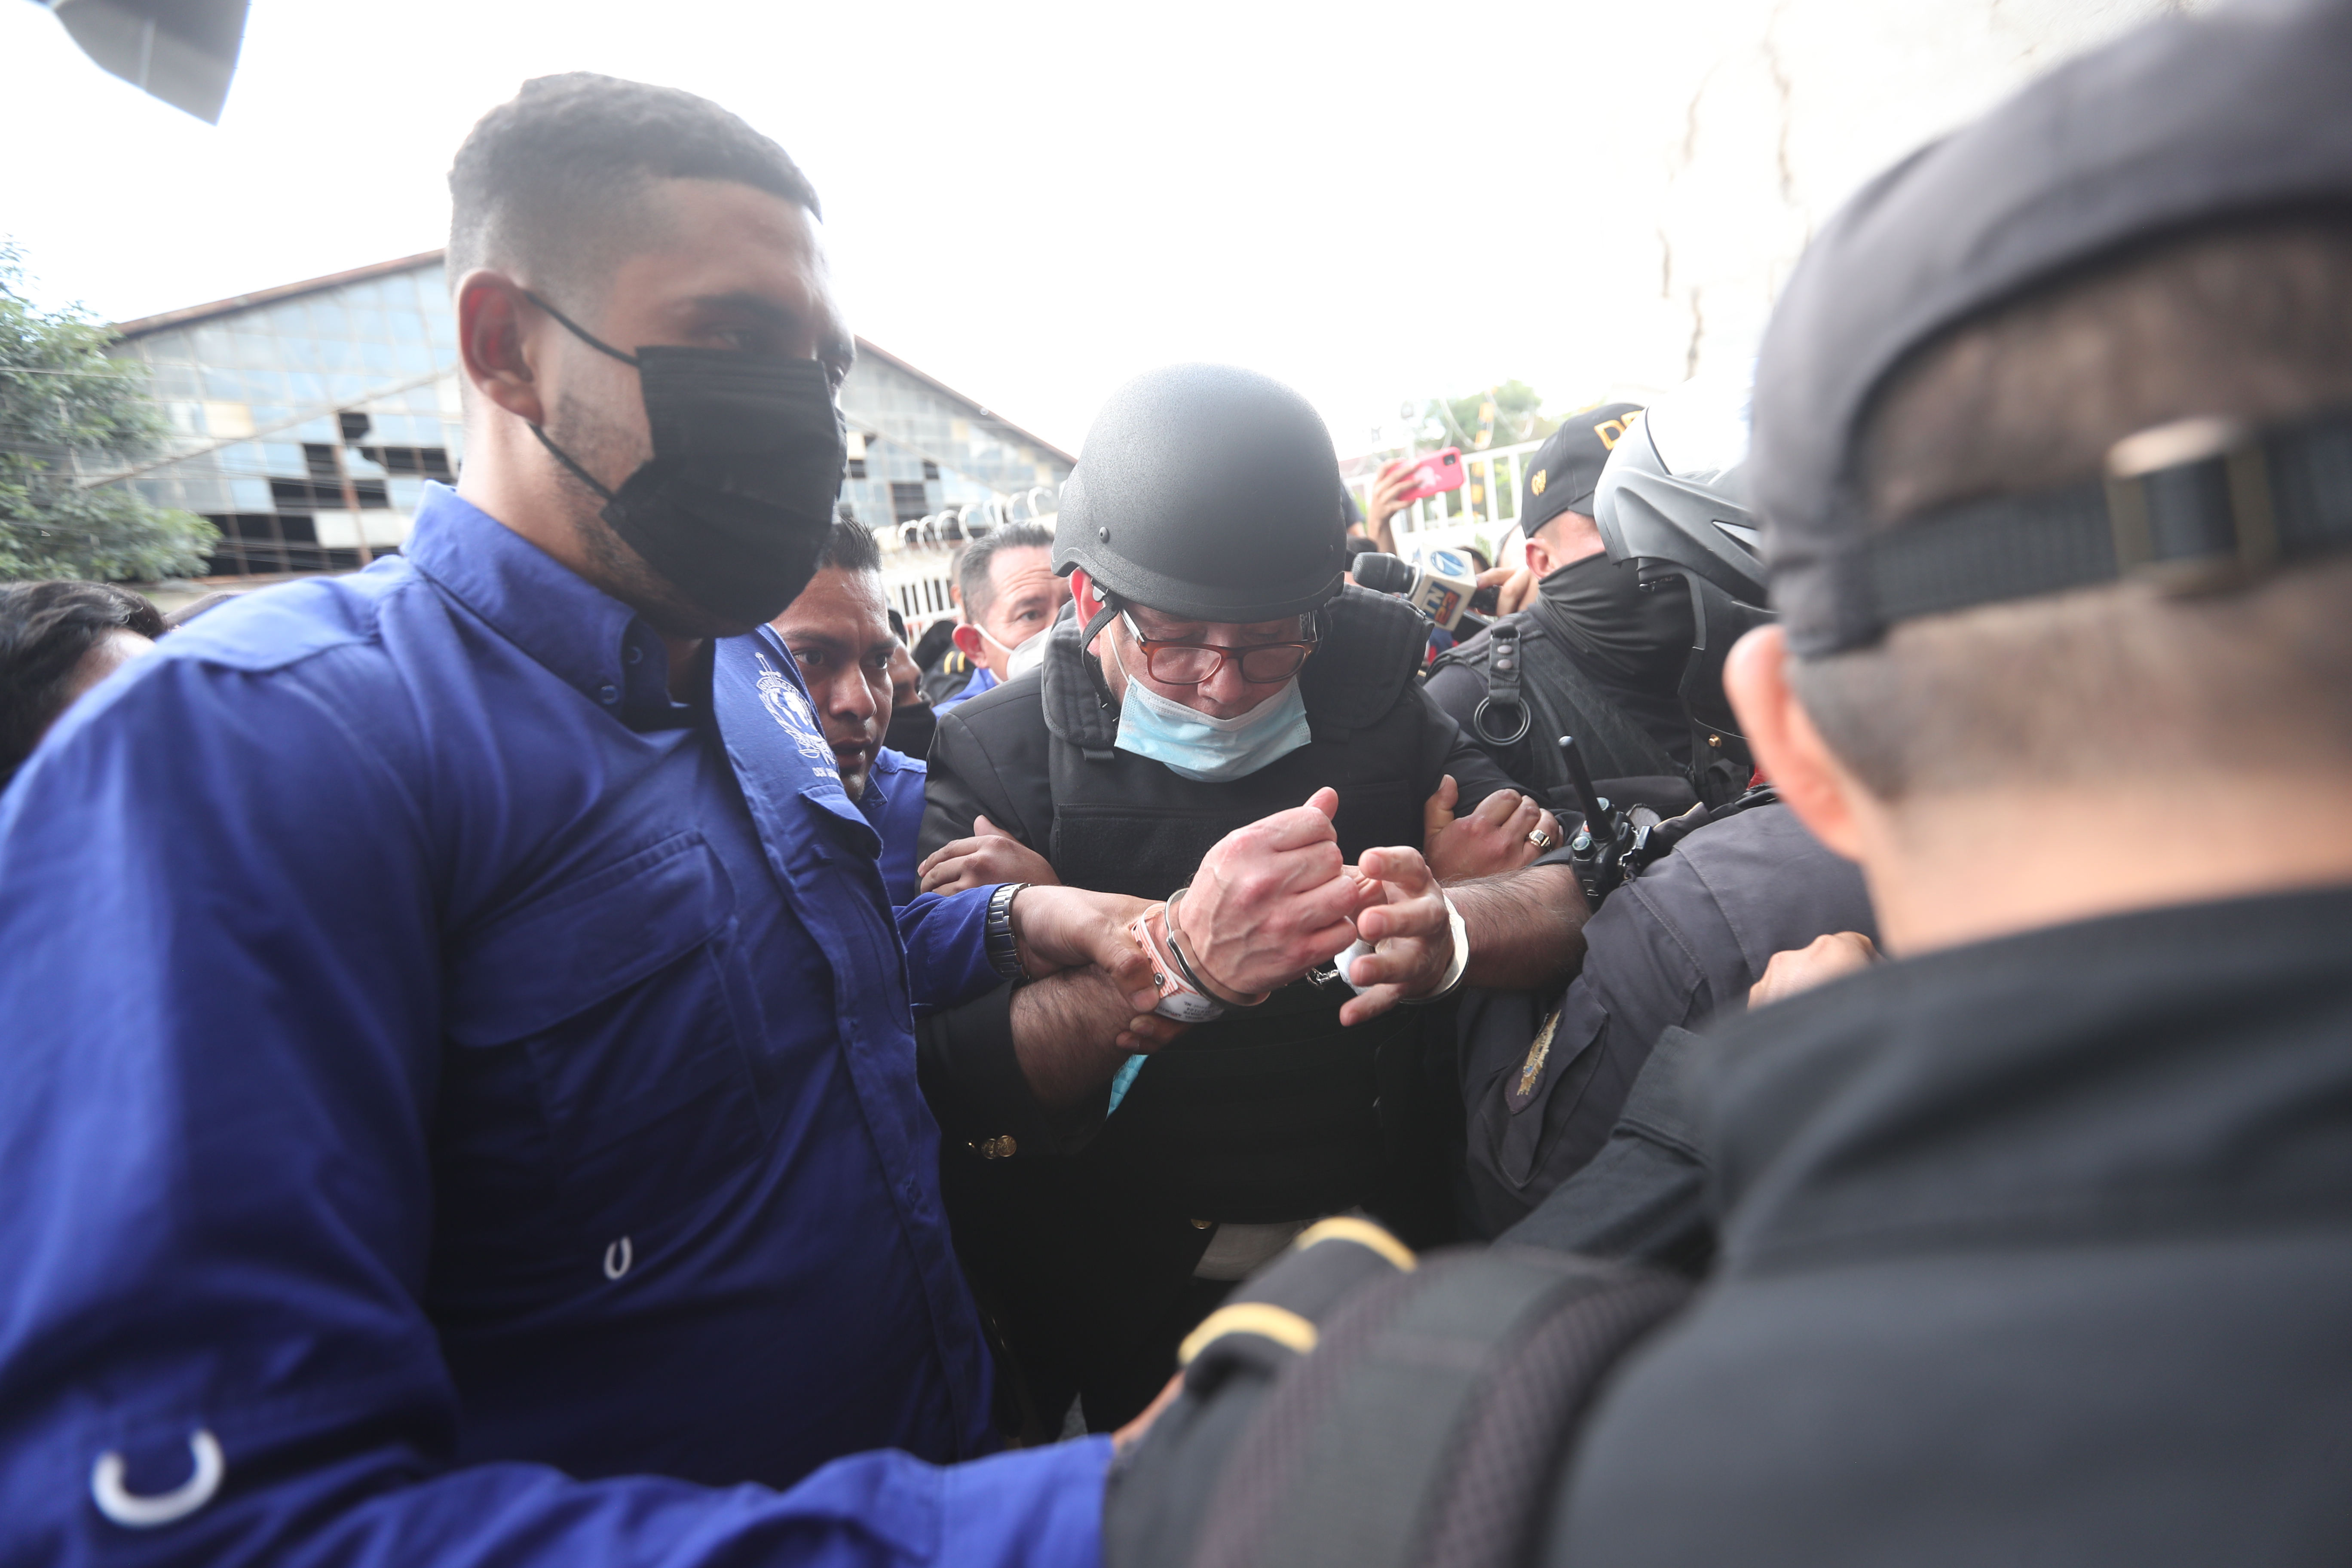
[1151,645]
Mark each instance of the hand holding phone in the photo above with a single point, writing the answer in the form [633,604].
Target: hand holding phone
[1437,473]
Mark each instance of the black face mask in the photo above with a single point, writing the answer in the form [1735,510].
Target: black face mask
[750,452]
[1645,639]
[911,729]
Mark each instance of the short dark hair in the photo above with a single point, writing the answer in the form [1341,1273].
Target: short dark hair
[2252,319]
[550,183]
[850,547]
[974,568]
[45,630]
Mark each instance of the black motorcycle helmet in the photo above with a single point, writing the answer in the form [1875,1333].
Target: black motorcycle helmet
[1672,501]
[1210,493]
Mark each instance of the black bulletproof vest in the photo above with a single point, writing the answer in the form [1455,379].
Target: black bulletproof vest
[1562,700]
[1274,1113]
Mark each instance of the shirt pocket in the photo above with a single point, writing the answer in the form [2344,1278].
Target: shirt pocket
[605,1003]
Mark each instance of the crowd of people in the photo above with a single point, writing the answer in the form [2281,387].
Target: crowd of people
[1818,1035]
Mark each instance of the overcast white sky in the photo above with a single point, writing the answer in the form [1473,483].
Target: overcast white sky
[1034,201]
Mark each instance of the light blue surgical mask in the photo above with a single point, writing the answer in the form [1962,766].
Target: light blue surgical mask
[1210,751]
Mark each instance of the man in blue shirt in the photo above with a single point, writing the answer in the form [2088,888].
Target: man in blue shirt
[458,1097]
[838,632]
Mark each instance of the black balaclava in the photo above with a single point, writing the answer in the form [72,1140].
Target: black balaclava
[1644,638]
[912,725]
[735,504]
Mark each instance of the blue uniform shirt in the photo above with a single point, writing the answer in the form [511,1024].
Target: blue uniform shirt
[442,1069]
[982,680]
[893,802]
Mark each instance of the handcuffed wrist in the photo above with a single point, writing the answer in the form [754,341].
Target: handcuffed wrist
[1453,971]
[1193,972]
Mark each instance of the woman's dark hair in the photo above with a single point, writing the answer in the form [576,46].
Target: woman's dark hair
[45,630]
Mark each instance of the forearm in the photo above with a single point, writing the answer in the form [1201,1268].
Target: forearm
[1525,927]
[1064,1033]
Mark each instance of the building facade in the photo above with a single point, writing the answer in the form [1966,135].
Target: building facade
[307,419]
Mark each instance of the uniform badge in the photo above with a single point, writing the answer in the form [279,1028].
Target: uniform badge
[1532,1070]
[794,715]
[1535,485]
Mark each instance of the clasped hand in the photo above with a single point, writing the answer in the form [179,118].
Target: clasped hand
[1274,900]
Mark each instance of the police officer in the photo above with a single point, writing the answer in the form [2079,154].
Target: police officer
[1597,653]
[1716,892]
[1216,671]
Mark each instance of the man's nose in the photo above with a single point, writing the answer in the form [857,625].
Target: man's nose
[1226,687]
[853,699]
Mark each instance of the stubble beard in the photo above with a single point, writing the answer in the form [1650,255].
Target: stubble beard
[613,455]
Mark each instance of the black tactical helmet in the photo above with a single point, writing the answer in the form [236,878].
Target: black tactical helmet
[1673,490]
[1208,493]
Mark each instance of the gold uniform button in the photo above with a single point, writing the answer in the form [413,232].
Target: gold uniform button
[1000,1147]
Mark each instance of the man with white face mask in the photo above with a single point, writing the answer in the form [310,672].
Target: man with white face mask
[1217,673]
[1011,594]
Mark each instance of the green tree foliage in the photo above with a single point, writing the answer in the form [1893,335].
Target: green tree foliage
[69,412]
[1505,415]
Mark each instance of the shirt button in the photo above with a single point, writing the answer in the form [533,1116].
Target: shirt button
[608,694]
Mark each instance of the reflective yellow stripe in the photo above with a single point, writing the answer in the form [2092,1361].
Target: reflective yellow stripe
[1280,1324]
[1363,1233]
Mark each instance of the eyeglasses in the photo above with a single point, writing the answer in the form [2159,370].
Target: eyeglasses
[1195,663]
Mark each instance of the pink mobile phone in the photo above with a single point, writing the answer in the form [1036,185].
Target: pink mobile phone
[1439,471]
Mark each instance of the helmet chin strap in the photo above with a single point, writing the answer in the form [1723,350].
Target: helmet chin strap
[1103,617]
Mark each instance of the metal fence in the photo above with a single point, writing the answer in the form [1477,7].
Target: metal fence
[1482,512]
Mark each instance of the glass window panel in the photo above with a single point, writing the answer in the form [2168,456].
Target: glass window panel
[280,458]
[337,353]
[407,327]
[376,357]
[250,495]
[306,388]
[301,353]
[413,359]
[211,346]
[203,494]
[328,318]
[372,326]
[346,387]
[266,415]
[424,400]
[174,381]
[406,494]
[265,383]
[288,319]
[223,386]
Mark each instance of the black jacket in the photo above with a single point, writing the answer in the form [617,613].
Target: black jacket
[2033,1251]
[1678,944]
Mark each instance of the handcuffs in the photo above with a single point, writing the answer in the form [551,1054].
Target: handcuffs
[1186,997]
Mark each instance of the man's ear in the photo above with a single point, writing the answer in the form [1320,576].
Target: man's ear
[968,639]
[1082,590]
[491,316]
[1539,555]
[1788,748]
